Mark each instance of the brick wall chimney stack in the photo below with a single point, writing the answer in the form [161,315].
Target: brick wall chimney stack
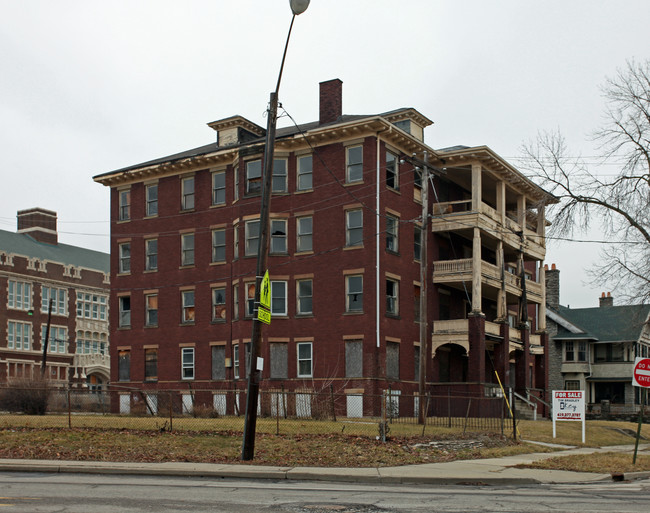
[331,101]
[606,300]
[553,287]
[38,223]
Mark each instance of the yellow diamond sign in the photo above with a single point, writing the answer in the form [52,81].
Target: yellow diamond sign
[265,292]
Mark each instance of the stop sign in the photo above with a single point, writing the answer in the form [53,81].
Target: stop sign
[642,372]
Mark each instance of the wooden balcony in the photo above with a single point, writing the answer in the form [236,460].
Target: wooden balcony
[461,271]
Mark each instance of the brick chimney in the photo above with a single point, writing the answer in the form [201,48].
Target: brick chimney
[331,101]
[38,223]
[606,300]
[552,287]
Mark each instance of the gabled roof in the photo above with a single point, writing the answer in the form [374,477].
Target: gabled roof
[603,324]
[24,245]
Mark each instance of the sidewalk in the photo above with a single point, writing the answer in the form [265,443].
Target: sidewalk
[472,472]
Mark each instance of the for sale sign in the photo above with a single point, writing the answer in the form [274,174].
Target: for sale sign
[641,375]
[569,405]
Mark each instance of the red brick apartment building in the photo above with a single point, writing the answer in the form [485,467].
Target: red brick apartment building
[36,271]
[346,217]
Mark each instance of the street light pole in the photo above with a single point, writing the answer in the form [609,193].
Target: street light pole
[254,370]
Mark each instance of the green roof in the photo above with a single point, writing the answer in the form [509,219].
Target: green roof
[23,244]
[606,324]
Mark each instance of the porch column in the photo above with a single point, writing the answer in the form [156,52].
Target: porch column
[476,363]
[502,356]
[476,187]
[476,272]
[501,202]
[521,211]
[502,309]
[522,363]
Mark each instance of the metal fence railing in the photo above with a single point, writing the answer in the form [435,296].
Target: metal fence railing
[279,411]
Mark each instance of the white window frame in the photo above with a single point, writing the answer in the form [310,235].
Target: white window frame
[92,306]
[305,175]
[218,246]
[279,298]
[350,292]
[218,304]
[188,307]
[279,180]
[187,363]
[417,243]
[354,227]
[392,233]
[219,188]
[303,296]
[124,204]
[148,310]
[187,249]
[254,177]
[392,297]
[304,234]
[60,303]
[392,170]
[151,256]
[235,360]
[22,342]
[188,193]
[58,339]
[124,320]
[354,164]
[151,204]
[124,255]
[303,358]
[249,250]
[19,295]
[235,241]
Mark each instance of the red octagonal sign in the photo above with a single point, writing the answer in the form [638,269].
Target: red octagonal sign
[642,372]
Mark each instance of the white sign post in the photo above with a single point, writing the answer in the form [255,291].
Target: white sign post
[569,405]
[640,378]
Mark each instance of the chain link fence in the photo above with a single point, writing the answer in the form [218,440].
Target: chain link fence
[279,411]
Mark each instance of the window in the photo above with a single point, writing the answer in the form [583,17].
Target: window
[254,177]
[124,205]
[219,188]
[151,364]
[151,254]
[187,249]
[151,310]
[392,171]
[279,297]
[19,295]
[187,298]
[151,200]
[59,299]
[125,257]
[235,360]
[19,335]
[354,227]
[279,360]
[569,354]
[417,243]
[124,365]
[218,362]
[304,293]
[392,360]
[416,361]
[279,176]
[187,193]
[304,234]
[354,164]
[278,236]
[250,299]
[416,303]
[354,293]
[235,241]
[392,240]
[187,362]
[92,306]
[125,311]
[353,358]
[392,297]
[219,304]
[582,351]
[219,245]
[610,352]
[572,384]
[252,229]
[235,302]
[305,174]
[305,360]
[58,339]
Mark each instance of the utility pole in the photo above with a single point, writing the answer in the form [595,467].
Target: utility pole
[47,337]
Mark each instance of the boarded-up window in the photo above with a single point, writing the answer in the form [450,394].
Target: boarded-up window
[218,362]
[124,365]
[392,360]
[353,359]
[279,359]
[151,364]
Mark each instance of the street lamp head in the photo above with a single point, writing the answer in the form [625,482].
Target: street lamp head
[299,6]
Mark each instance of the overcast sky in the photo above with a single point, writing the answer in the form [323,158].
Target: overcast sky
[87,86]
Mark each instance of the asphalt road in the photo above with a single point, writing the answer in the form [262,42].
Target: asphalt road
[72,493]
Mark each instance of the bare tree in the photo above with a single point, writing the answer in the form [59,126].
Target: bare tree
[618,204]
